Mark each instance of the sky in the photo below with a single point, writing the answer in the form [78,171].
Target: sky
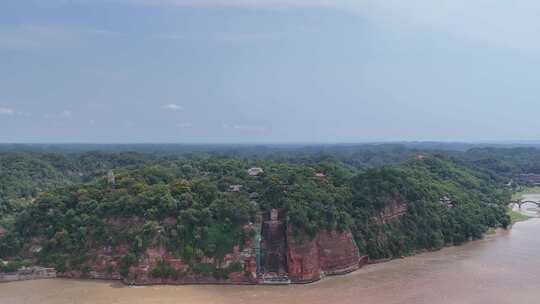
[269,71]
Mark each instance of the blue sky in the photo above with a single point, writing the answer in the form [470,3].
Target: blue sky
[241,71]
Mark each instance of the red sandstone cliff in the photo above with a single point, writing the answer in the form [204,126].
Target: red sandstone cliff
[141,273]
[283,252]
[106,262]
[302,259]
[329,253]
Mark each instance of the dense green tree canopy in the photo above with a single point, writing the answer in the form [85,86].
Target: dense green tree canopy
[196,205]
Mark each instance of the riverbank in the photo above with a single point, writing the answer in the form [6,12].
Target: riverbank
[516,217]
[23,275]
[486,271]
[26,274]
[364,262]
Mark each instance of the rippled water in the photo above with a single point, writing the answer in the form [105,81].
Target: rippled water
[503,268]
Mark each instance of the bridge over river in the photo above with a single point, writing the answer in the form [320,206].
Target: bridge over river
[521,202]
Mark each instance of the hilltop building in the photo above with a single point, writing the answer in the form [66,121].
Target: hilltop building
[235,188]
[445,200]
[111,179]
[531,178]
[255,171]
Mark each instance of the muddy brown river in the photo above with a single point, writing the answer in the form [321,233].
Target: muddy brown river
[502,268]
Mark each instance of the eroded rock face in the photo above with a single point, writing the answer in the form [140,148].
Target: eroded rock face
[141,274]
[103,266]
[297,256]
[302,259]
[329,253]
[106,265]
[395,208]
[338,252]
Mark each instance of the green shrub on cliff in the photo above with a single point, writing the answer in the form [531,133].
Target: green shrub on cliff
[163,270]
[14,265]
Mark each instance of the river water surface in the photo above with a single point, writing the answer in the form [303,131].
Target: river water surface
[502,268]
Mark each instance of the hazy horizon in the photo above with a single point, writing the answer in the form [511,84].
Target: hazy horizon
[268,71]
[472,142]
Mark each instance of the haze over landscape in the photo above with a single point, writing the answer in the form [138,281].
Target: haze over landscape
[268,71]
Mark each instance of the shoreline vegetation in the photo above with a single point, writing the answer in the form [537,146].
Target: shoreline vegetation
[491,232]
[517,217]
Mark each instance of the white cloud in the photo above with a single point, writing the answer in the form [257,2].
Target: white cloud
[100,32]
[6,111]
[245,37]
[170,36]
[12,112]
[172,107]
[244,127]
[184,125]
[235,3]
[29,36]
[493,23]
[509,24]
[222,37]
[65,114]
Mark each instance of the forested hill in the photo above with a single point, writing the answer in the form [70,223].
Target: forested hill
[24,175]
[27,170]
[195,210]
